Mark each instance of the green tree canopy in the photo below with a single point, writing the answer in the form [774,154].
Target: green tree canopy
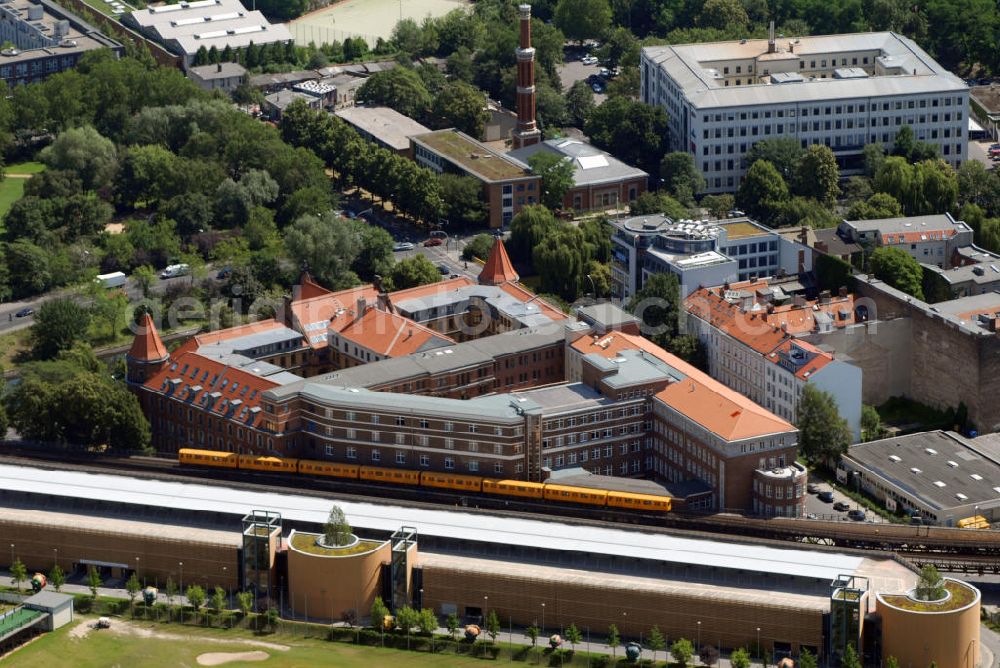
[337,531]
[879,205]
[479,246]
[740,658]
[560,263]
[723,14]
[327,245]
[658,305]
[579,103]
[682,650]
[85,153]
[681,177]
[930,585]
[59,324]
[464,207]
[528,228]
[783,152]
[823,434]
[818,175]
[400,88]
[633,132]
[462,106]
[897,268]
[414,271]
[557,177]
[583,19]
[763,191]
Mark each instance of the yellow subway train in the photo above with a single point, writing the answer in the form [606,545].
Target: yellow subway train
[432,479]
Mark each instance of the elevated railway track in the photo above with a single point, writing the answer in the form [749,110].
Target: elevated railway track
[969,551]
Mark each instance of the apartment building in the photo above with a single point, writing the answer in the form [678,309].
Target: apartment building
[41,38]
[842,91]
[699,253]
[750,332]
[932,240]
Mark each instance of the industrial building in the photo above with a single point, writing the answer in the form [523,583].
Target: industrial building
[699,253]
[842,91]
[43,38]
[551,573]
[188,26]
[941,476]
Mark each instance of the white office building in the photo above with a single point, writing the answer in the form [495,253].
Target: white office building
[700,253]
[843,91]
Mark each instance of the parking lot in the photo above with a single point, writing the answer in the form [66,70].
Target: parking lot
[573,70]
[817,509]
[979,150]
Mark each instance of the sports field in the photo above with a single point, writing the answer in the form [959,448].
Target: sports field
[369,19]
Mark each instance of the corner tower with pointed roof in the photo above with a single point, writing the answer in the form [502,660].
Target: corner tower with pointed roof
[147,354]
[498,268]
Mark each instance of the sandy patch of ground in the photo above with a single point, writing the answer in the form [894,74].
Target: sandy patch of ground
[221,658]
[82,629]
[126,628]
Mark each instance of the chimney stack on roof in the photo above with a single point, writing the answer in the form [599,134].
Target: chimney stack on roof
[771,46]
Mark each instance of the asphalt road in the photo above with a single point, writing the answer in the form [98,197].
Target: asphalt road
[978,151]
[825,511]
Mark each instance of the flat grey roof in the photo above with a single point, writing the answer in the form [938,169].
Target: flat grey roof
[835,245]
[503,407]
[690,66]
[283,98]
[549,534]
[634,367]
[385,124]
[253,341]
[80,36]
[906,224]
[607,314]
[218,71]
[469,353]
[591,165]
[50,600]
[939,457]
[568,397]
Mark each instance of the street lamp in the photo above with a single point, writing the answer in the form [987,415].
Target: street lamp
[543,619]
[12,554]
[758,643]
[181,564]
[55,560]
[486,607]
[699,635]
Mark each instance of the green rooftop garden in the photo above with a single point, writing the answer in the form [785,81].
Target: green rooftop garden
[961,596]
[306,542]
[461,151]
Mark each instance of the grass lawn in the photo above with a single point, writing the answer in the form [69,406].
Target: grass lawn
[11,190]
[183,645]
[25,168]
[12,344]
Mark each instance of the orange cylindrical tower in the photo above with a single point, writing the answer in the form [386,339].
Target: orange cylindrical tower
[527,132]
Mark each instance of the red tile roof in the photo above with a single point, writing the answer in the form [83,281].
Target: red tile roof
[498,268]
[308,288]
[388,334]
[723,411]
[147,346]
[818,360]
[192,379]
[752,329]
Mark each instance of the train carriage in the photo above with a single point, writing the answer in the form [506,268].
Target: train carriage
[267,463]
[394,476]
[521,488]
[645,502]
[456,481]
[328,469]
[225,460]
[568,494]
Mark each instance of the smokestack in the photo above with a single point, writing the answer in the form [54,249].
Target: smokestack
[771,47]
[527,132]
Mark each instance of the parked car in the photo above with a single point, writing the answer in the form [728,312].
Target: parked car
[175,270]
[25,312]
[443,268]
[589,60]
[224,273]
[841,506]
[498,233]
[433,242]
[857,515]
[403,246]
[812,488]
[825,497]
[597,88]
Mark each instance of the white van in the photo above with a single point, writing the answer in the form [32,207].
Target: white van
[175,270]
[115,279]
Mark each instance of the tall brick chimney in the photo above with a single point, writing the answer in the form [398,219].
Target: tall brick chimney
[527,132]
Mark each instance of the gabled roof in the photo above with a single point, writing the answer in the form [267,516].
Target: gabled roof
[752,329]
[702,399]
[498,268]
[147,345]
[309,288]
[214,387]
[390,334]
